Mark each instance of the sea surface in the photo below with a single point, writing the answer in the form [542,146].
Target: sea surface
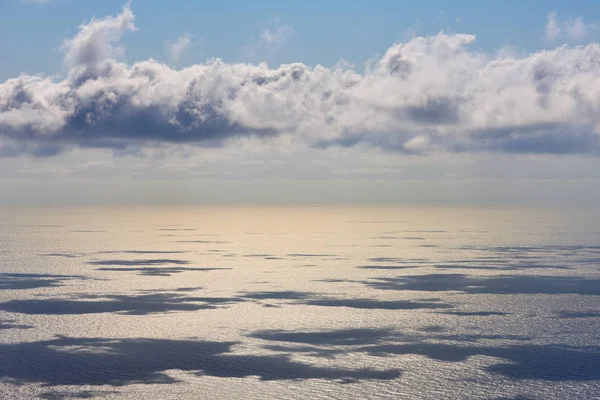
[299,303]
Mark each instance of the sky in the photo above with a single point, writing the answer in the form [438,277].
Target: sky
[330,102]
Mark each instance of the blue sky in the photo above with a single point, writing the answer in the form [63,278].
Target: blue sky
[323,31]
[430,102]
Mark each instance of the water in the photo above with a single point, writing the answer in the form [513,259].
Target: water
[299,303]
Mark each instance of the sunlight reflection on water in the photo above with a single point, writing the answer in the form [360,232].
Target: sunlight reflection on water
[313,302]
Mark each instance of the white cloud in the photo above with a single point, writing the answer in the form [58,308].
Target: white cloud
[426,95]
[271,39]
[177,48]
[96,43]
[274,38]
[572,29]
[576,29]
[553,31]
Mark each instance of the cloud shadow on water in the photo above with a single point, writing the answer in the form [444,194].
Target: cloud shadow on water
[315,299]
[117,362]
[62,255]
[499,284]
[16,281]
[277,295]
[159,271]
[372,336]
[122,304]
[503,266]
[159,261]
[373,304]
[523,361]
[82,394]
[398,260]
[11,324]
[518,359]
[384,267]
[346,337]
[308,255]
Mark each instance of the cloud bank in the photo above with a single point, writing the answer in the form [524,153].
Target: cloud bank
[430,94]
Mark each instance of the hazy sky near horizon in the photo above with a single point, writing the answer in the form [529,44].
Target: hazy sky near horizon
[266,102]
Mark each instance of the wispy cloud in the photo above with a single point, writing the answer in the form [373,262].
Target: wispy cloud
[573,29]
[180,46]
[576,29]
[552,29]
[271,39]
[425,95]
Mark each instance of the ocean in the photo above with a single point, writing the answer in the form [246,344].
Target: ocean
[294,302]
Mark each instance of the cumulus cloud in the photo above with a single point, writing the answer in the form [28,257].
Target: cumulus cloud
[429,94]
[96,41]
